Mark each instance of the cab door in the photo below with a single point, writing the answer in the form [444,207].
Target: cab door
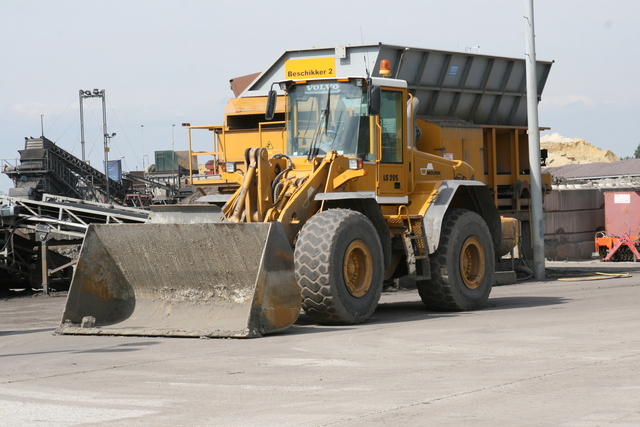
[390,129]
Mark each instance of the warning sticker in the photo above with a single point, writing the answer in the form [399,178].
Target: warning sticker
[622,198]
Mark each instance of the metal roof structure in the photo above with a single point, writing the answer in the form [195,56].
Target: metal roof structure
[597,170]
[481,89]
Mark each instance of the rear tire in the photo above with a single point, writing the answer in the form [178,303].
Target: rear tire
[339,267]
[462,269]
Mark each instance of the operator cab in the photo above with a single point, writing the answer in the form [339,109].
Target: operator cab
[325,115]
[328,115]
[357,117]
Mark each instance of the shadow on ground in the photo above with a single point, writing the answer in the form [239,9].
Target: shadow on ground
[116,349]
[410,311]
[27,331]
[29,293]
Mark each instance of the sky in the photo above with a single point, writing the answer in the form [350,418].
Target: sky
[163,62]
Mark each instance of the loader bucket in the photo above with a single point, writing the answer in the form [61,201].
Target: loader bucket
[202,280]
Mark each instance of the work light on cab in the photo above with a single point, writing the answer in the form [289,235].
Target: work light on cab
[355,163]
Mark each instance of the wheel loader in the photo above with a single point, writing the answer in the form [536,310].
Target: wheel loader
[351,203]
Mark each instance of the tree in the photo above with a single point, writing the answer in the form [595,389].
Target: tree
[636,154]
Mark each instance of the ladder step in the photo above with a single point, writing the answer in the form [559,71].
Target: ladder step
[414,237]
[422,256]
[422,277]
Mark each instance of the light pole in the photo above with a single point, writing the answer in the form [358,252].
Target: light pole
[173,149]
[142,144]
[95,94]
[82,123]
[107,139]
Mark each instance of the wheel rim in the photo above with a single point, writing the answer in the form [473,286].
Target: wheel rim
[472,263]
[357,268]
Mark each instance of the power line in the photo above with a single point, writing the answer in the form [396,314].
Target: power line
[124,132]
[56,120]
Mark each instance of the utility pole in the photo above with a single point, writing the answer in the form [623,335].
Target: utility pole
[537,218]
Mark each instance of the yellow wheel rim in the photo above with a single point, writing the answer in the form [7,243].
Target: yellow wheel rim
[357,268]
[472,263]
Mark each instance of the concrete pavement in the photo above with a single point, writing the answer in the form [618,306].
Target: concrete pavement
[540,353]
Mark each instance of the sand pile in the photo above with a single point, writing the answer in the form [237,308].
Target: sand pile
[564,151]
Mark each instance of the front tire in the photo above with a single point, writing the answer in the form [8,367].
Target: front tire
[339,267]
[462,268]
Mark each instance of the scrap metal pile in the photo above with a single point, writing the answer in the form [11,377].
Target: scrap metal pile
[39,240]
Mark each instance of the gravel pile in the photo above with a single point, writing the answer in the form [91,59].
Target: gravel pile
[573,162]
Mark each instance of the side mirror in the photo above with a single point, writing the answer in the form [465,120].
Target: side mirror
[373,100]
[271,105]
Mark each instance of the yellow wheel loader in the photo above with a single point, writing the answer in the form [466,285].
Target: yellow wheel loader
[351,203]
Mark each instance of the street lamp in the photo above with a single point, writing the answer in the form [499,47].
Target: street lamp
[173,127]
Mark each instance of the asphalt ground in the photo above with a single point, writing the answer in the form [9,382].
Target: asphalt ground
[561,353]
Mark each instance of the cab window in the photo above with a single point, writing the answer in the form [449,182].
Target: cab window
[392,126]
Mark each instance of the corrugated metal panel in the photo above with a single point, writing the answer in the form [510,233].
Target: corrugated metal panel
[481,89]
[572,222]
[574,199]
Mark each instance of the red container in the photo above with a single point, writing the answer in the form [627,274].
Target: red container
[622,213]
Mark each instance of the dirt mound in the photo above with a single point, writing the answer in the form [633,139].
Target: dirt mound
[564,151]
[197,193]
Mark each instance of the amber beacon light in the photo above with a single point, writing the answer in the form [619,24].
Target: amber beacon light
[385,68]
